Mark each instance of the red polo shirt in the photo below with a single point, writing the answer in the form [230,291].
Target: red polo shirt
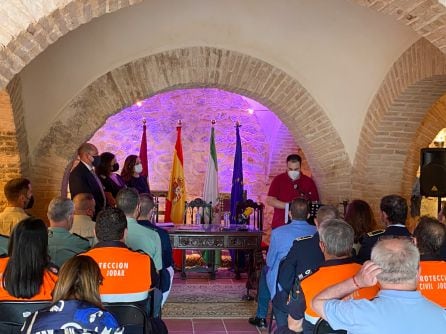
[285,190]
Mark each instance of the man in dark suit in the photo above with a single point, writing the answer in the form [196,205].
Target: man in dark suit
[393,214]
[83,178]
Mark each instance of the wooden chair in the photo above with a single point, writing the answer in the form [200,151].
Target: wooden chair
[198,206]
[323,327]
[14,313]
[159,198]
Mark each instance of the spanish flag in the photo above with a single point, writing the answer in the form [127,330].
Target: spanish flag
[176,195]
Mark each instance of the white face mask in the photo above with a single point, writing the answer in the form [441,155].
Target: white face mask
[138,168]
[293,174]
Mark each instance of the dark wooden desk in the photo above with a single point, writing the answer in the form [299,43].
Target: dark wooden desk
[214,237]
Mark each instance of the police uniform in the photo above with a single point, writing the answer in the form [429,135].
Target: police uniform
[63,245]
[330,272]
[432,280]
[303,258]
[128,275]
[371,238]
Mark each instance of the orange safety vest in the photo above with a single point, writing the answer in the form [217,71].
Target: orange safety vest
[327,276]
[432,281]
[49,281]
[127,274]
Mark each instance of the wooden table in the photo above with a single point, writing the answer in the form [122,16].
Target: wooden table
[214,237]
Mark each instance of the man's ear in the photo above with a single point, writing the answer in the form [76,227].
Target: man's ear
[322,246]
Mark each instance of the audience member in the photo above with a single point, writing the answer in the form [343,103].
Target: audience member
[287,186]
[360,216]
[112,182]
[139,237]
[27,272]
[83,178]
[304,255]
[430,234]
[83,223]
[166,273]
[128,275]
[61,243]
[76,302]
[19,194]
[131,174]
[281,241]
[336,243]
[398,309]
[393,215]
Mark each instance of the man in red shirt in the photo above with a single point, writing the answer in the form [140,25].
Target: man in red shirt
[287,186]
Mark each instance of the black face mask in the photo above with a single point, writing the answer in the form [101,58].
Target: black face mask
[115,167]
[96,160]
[29,203]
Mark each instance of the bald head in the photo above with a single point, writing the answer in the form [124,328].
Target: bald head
[86,152]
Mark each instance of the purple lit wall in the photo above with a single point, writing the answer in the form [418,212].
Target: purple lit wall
[265,140]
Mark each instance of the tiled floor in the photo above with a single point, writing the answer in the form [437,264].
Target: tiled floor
[210,326]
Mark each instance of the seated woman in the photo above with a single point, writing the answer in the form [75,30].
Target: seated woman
[131,174]
[360,216]
[27,272]
[111,181]
[77,303]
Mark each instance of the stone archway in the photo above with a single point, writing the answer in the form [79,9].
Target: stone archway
[196,67]
[385,157]
[30,28]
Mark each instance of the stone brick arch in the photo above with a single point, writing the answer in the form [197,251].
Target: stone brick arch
[384,162]
[30,27]
[196,67]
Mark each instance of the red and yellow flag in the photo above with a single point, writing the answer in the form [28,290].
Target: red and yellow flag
[176,195]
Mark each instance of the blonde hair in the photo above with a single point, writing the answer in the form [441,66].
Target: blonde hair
[79,278]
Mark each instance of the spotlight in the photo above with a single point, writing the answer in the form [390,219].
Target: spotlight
[250,111]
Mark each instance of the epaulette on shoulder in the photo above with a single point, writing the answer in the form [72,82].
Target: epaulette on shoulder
[81,237]
[304,238]
[375,233]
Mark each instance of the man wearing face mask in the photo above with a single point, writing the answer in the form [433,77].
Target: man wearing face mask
[287,186]
[83,223]
[19,194]
[83,178]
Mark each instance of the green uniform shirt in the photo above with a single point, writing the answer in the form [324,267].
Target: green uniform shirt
[63,245]
[145,239]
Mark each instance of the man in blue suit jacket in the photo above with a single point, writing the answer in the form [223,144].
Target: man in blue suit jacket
[83,178]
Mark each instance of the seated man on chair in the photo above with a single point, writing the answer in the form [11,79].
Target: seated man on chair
[336,243]
[398,309]
[144,219]
[281,241]
[129,275]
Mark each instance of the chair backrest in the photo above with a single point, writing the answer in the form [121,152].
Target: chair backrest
[14,313]
[159,198]
[323,327]
[131,316]
[198,206]
[256,217]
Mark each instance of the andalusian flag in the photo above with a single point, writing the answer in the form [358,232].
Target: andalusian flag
[210,191]
[176,195]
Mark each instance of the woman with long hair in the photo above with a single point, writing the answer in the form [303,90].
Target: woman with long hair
[27,272]
[131,174]
[360,217]
[111,181]
[76,302]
